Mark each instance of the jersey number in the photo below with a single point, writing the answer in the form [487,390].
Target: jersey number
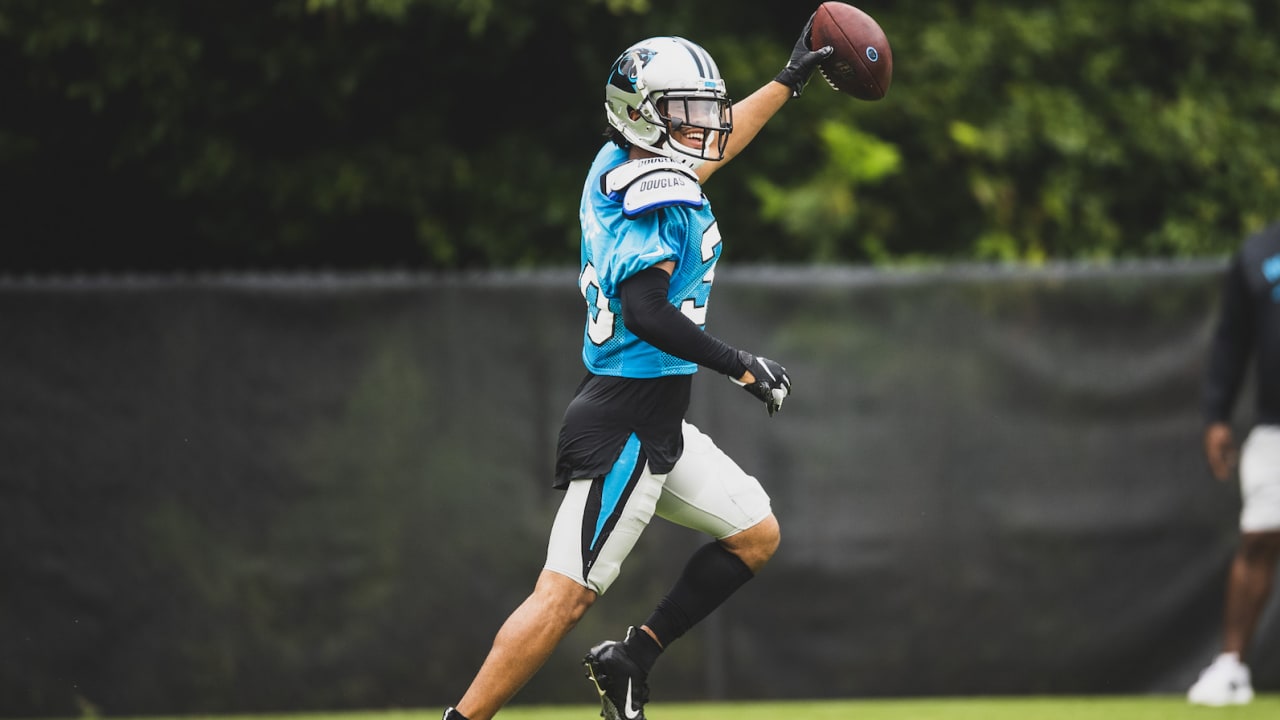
[695,308]
[600,319]
[599,316]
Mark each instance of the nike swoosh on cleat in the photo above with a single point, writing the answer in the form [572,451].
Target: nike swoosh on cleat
[632,714]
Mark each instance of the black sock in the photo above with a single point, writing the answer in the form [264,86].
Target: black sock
[709,578]
[451,713]
[642,649]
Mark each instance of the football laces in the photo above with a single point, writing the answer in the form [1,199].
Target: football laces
[827,77]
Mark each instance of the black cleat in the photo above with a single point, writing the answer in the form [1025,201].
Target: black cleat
[620,682]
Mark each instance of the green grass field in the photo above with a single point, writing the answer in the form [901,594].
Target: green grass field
[1030,708]
[1155,707]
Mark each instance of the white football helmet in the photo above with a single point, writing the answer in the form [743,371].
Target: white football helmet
[664,84]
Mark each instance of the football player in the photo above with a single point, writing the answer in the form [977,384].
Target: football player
[650,244]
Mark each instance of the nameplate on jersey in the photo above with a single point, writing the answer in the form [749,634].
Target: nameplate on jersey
[651,183]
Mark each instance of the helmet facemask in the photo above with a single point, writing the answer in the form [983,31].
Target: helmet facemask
[665,90]
[695,125]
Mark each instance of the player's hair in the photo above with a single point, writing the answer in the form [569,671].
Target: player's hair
[611,133]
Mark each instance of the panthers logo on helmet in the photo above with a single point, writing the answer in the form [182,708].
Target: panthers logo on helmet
[627,68]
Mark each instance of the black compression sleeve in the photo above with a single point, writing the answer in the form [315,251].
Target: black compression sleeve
[647,313]
[711,576]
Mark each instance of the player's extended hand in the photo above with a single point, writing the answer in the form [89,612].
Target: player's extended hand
[803,60]
[1220,450]
[769,381]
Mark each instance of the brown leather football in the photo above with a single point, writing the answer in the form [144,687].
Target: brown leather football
[861,63]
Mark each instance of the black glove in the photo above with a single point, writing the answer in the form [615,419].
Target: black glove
[771,385]
[803,60]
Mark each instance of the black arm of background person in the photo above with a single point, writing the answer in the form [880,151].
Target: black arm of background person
[1231,345]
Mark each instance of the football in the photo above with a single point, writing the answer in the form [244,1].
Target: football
[861,63]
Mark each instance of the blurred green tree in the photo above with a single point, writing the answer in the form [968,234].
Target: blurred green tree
[453,134]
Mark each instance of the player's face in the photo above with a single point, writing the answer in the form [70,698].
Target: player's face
[694,122]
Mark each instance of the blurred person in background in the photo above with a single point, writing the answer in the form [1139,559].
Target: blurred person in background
[1248,329]
[650,244]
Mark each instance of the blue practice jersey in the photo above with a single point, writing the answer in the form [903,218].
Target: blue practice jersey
[615,247]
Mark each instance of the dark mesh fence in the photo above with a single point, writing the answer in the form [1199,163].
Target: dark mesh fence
[289,493]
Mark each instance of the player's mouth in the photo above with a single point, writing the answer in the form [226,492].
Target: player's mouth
[692,136]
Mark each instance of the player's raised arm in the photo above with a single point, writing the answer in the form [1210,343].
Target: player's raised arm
[845,43]
[751,113]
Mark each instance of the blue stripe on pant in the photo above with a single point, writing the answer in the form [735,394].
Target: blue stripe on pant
[609,495]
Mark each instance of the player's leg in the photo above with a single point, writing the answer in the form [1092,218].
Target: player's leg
[709,492]
[706,491]
[1249,586]
[1254,565]
[1227,680]
[596,527]
[524,642]
[1251,578]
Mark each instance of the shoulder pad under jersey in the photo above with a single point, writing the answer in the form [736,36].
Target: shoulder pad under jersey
[651,183]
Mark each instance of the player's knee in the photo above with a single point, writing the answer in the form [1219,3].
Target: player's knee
[772,536]
[578,601]
[564,597]
[756,545]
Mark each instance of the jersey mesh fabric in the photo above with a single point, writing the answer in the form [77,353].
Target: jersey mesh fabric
[614,248]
